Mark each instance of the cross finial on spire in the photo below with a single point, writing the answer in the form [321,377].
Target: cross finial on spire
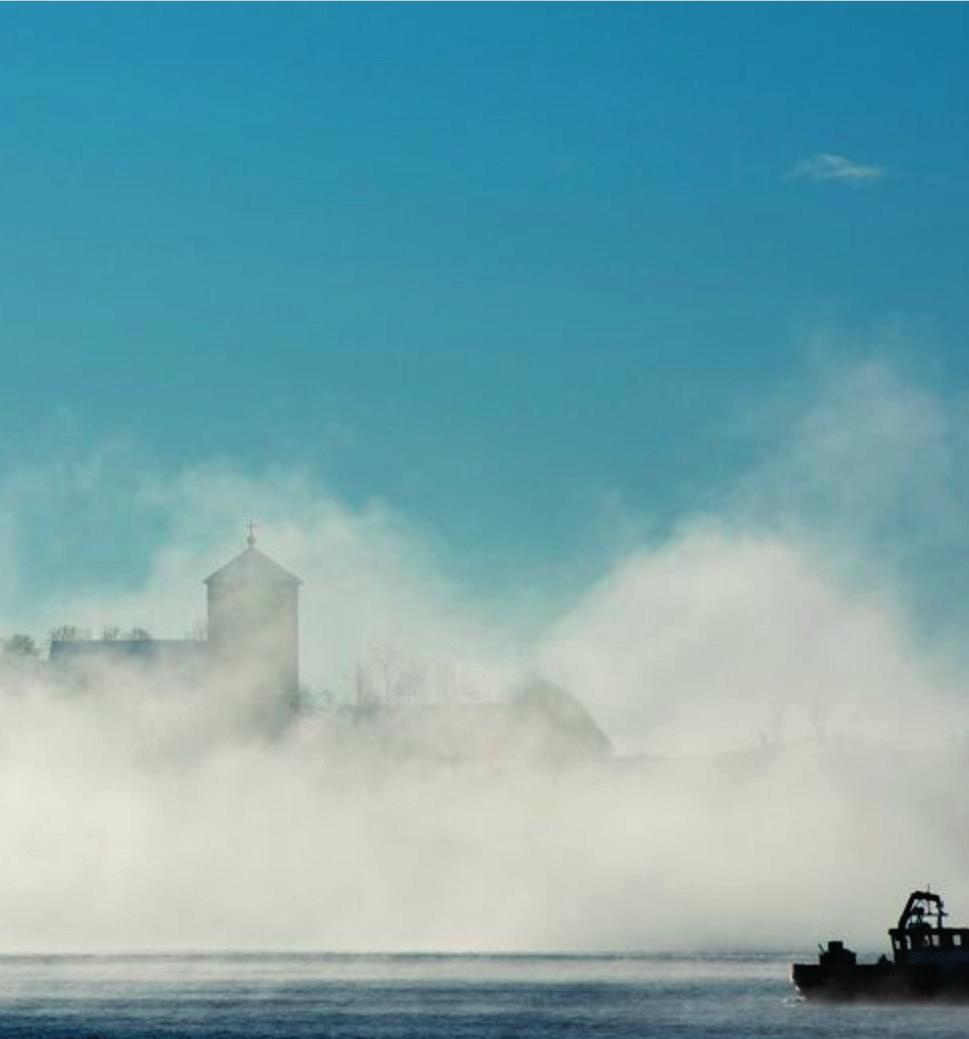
[251,538]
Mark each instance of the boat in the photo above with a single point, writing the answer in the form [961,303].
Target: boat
[930,961]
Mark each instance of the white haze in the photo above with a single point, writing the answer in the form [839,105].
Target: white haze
[793,758]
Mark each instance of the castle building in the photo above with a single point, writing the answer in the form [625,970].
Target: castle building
[252,649]
[252,632]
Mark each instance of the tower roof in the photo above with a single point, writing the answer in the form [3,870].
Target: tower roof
[252,566]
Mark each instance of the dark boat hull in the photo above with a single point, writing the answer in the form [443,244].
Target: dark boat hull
[883,981]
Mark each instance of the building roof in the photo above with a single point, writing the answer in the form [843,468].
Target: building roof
[539,722]
[252,566]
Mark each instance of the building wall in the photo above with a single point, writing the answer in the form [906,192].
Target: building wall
[97,660]
[254,626]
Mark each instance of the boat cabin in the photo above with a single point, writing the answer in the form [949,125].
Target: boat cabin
[916,940]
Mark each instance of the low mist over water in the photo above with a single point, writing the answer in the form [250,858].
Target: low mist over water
[140,830]
[393,997]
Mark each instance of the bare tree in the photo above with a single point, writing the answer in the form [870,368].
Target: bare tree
[19,647]
[68,633]
[390,675]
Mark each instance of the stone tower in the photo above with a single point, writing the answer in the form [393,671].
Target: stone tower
[253,620]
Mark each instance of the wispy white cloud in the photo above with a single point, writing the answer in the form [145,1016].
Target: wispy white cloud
[827,167]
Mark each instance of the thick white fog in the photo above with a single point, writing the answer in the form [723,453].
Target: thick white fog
[791,737]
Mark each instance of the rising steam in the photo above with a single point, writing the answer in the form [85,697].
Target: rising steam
[790,747]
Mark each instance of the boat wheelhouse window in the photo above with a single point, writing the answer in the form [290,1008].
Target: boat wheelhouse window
[934,938]
[957,939]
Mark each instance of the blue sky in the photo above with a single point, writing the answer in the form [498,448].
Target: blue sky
[500,266]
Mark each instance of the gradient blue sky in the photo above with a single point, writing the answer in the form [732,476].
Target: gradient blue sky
[498,265]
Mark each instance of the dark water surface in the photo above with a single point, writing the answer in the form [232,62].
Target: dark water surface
[532,997]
